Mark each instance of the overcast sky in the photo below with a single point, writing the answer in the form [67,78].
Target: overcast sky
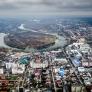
[45,7]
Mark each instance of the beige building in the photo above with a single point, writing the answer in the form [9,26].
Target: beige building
[78,88]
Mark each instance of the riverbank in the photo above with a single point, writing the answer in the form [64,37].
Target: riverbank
[59,42]
[2,43]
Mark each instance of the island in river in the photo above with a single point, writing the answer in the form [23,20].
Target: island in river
[29,39]
[32,39]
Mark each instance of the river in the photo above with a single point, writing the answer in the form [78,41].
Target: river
[2,43]
[60,41]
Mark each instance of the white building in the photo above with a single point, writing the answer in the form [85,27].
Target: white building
[1,71]
[60,60]
[19,69]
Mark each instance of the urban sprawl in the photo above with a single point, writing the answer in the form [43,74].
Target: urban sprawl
[65,69]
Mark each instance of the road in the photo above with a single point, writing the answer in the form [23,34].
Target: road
[74,68]
[51,68]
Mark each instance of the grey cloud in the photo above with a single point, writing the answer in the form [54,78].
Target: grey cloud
[42,6]
[7,7]
[56,3]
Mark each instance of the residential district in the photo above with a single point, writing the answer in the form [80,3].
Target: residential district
[67,69]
